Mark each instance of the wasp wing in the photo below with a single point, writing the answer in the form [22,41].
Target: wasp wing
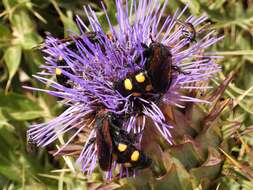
[104,144]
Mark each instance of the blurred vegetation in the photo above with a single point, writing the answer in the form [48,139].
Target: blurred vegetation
[23,26]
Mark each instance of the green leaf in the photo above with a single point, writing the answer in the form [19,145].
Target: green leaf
[176,178]
[8,4]
[4,33]
[69,23]
[67,20]
[209,170]
[194,154]
[111,11]
[24,30]
[10,171]
[210,137]
[217,4]
[12,58]
[193,5]
[33,60]
[8,144]
[19,107]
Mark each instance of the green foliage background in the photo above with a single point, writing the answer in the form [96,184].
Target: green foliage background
[23,24]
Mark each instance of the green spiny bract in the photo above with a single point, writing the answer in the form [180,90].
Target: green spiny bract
[194,161]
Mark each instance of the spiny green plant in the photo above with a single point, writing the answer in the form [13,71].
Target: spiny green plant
[18,170]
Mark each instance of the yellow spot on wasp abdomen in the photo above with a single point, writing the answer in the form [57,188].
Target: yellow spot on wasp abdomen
[135,155]
[122,147]
[58,71]
[140,78]
[128,84]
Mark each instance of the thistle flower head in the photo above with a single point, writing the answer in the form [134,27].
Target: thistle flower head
[95,61]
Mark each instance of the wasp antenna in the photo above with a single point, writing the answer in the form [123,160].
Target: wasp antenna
[144,45]
[180,22]
[179,70]
[205,27]
[150,36]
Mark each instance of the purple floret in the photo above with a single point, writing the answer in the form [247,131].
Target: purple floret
[93,68]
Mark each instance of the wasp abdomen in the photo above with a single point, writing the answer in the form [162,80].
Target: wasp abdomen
[131,157]
[136,84]
[159,67]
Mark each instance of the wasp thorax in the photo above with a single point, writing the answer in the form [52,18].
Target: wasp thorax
[154,78]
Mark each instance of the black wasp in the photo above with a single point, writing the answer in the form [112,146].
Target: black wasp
[114,143]
[188,31]
[156,76]
[70,43]
[61,78]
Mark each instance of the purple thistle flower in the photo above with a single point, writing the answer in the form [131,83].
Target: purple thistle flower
[93,68]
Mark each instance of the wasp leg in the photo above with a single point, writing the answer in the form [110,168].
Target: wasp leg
[144,46]
[91,141]
[179,70]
